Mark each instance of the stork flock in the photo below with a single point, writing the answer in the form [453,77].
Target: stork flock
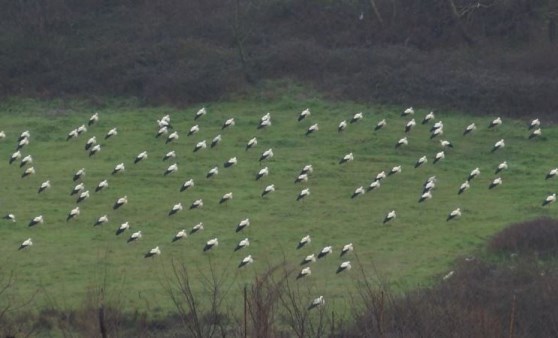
[165,132]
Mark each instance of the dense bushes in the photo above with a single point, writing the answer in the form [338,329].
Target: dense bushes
[538,237]
[496,57]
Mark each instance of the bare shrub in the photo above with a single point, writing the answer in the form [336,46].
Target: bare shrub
[202,313]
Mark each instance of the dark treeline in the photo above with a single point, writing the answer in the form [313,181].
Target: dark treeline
[486,56]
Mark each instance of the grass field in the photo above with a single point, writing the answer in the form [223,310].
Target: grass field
[68,258]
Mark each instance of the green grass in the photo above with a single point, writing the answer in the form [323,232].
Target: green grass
[70,258]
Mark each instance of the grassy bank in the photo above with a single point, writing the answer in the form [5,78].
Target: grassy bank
[69,258]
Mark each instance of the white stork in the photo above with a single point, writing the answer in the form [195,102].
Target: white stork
[123,227]
[26,243]
[303,241]
[307,169]
[262,172]
[102,185]
[95,149]
[141,156]
[118,168]
[268,189]
[303,193]
[346,158]
[408,111]
[194,129]
[549,199]
[410,125]
[162,131]
[228,123]
[304,272]
[496,182]
[358,192]
[135,236]
[446,144]
[342,126]
[496,122]
[16,155]
[325,251]
[474,173]
[171,169]
[212,172]
[187,185]
[197,204]
[345,266]
[454,214]
[464,186]
[180,235]
[200,113]
[425,196]
[308,259]
[175,209]
[498,145]
[552,173]
[357,117]
[313,128]
[390,216]
[380,124]
[534,124]
[251,143]
[242,224]
[120,202]
[304,114]
[172,137]
[216,140]
[93,119]
[226,197]
[439,156]
[245,261]
[153,252]
[169,155]
[535,133]
[402,142]
[395,170]
[102,220]
[301,178]
[196,228]
[44,186]
[501,167]
[230,162]
[469,129]
[74,213]
[346,249]
[110,133]
[28,172]
[429,117]
[90,143]
[374,185]
[421,161]
[36,220]
[266,154]
[83,196]
[81,129]
[317,302]
[242,244]
[211,244]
